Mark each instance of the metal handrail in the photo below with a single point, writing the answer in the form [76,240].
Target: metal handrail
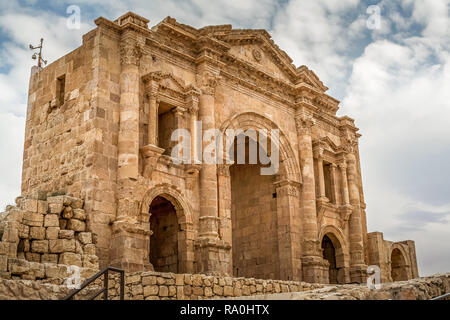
[104,290]
[445,296]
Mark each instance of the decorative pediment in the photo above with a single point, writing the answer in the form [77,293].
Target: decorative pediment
[325,143]
[170,88]
[166,80]
[258,48]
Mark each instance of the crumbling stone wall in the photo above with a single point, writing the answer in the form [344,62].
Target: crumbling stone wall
[41,238]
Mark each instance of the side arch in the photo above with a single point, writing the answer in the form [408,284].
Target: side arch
[182,207]
[184,215]
[402,271]
[342,254]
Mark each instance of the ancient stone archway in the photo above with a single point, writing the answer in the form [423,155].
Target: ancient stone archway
[334,251]
[399,267]
[261,206]
[171,227]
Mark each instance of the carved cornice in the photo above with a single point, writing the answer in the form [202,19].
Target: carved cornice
[193,46]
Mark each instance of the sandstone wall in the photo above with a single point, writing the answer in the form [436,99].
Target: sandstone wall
[41,238]
[163,286]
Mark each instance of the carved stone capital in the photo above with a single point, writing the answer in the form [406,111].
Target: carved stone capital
[342,165]
[349,145]
[304,124]
[193,105]
[287,188]
[318,153]
[178,111]
[208,83]
[130,54]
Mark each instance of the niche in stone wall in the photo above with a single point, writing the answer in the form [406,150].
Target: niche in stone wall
[166,125]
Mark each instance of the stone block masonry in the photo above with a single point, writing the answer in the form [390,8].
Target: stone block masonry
[169,286]
[41,237]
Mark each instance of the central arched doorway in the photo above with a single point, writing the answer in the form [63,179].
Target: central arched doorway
[253,216]
[398,266]
[164,240]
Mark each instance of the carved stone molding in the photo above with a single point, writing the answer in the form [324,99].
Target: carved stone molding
[287,188]
[151,156]
[191,175]
[208,82]
[304,124]
[130,54]
[257,55]
[349,145]
[318,153]
[345,212]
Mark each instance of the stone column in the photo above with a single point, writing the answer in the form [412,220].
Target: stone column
[178,114]
[212,253]
[311,259]
[289,228]
[128,146]
[151,152]
[334,185]
[208,173]
[193,110]
[358,267]
[322,195]
[129,236]
[153,114]
[345,196]
[224,201]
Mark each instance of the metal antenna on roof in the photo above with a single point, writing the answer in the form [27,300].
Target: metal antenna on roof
[38,56]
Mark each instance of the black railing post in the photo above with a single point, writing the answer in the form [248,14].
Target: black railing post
[105,284]
[122,285]
[104,290]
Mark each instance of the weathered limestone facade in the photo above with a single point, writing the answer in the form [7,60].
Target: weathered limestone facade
[99,122]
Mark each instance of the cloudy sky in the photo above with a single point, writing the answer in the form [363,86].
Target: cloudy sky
[393,77]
